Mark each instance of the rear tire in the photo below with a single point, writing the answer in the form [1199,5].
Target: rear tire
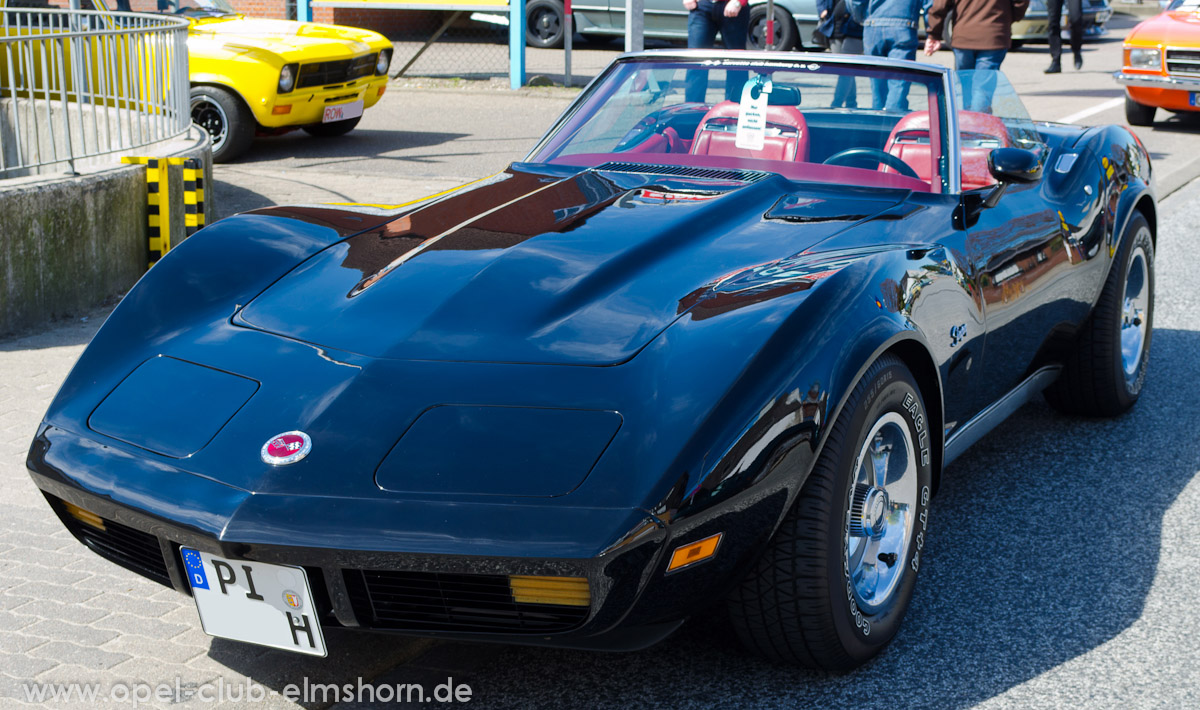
[786,35]
[834,583]
[1103,376]
[544,24]
[227,119]
[332,130]
[1138,114]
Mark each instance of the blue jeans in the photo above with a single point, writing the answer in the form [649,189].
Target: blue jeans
[897,43]
[979,83]
[703,25]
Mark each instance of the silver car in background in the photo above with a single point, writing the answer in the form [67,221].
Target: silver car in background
[795,21]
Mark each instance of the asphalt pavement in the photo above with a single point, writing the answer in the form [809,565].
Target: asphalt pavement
[1060,573]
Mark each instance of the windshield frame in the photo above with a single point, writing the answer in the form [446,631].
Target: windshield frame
[950,179]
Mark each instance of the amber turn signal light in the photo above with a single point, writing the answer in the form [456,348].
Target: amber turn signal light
[279,110]
[696,552]
[564,591]
[86,517]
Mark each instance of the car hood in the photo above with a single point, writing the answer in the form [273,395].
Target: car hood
[1171,28]
[529,267]
[284,37]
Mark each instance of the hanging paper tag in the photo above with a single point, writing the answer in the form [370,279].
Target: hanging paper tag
[752,115]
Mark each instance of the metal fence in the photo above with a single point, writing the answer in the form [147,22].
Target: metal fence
[79,84]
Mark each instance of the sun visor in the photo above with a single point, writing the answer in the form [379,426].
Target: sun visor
[171,407]
[514,451]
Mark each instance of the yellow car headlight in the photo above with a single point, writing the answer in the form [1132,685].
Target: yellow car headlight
[287,78]
[383,62]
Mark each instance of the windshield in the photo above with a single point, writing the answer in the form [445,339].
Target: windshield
[813,118]
[191,8]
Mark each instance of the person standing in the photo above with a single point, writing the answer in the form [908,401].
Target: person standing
[845,37]
[1075,22]
[705,19]
[889,30]
[982,38]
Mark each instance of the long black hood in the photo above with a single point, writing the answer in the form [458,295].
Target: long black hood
[537,268]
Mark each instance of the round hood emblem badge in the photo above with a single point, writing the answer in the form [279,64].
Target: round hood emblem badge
[286,448]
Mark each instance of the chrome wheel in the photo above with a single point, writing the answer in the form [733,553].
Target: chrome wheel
[880,513]
[1135,305]
[210,115]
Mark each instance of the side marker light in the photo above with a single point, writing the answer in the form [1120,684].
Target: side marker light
[696,552]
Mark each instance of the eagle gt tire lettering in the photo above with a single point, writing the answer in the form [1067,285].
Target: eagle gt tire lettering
[833,585]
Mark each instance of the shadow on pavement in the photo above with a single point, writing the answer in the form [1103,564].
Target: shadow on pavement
[232,199]
[359,143]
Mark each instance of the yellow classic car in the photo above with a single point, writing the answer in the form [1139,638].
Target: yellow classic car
[252,76]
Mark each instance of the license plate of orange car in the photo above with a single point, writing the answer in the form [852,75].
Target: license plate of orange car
[255,602]
[341,112]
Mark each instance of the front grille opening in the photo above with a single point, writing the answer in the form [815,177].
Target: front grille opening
[335,72]
[441,601]
[132,549]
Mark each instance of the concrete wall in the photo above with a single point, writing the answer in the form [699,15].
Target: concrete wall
[68,244]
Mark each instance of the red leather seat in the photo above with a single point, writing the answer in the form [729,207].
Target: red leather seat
[979,134]
[786,136]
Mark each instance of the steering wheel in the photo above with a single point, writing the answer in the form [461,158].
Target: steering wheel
[880,156]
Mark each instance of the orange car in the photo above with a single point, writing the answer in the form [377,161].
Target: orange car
[1162,64]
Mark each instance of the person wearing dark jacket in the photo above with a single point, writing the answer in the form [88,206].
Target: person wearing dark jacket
[982,38]
[1075,22]
[845,37]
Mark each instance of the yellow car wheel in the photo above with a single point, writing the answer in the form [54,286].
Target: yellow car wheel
[227,119]
[329,130]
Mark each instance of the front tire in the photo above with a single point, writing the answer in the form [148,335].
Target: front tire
[1103,376]
[544,24]
[227,119]
[331,130]
[834,583]
[786,34]
[1138,114]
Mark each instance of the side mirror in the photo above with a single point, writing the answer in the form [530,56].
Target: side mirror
[1011,166]
[1014,165]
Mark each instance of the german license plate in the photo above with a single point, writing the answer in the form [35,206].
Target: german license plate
[341,112]
[255,602]
[1194,98]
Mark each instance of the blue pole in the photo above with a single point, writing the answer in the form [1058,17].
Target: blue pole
[303,11]
[516,43]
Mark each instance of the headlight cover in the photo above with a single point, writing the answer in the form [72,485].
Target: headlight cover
[287,78]
[1141,58]
[383,62]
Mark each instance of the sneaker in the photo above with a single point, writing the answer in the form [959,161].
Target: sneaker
[1078,62]
[1054,68]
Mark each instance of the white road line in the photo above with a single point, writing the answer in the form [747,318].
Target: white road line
[1098,108]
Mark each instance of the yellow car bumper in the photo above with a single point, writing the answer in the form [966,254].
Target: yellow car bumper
[303,107]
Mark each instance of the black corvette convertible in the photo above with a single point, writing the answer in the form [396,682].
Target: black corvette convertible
[714,340]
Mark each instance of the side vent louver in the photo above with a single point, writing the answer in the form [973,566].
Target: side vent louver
[747,176]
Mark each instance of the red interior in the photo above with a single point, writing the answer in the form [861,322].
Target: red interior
[812,172]
[786,139]
[910,142]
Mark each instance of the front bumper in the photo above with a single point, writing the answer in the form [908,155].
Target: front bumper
[307,106]
[148,511]
[1157,81]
